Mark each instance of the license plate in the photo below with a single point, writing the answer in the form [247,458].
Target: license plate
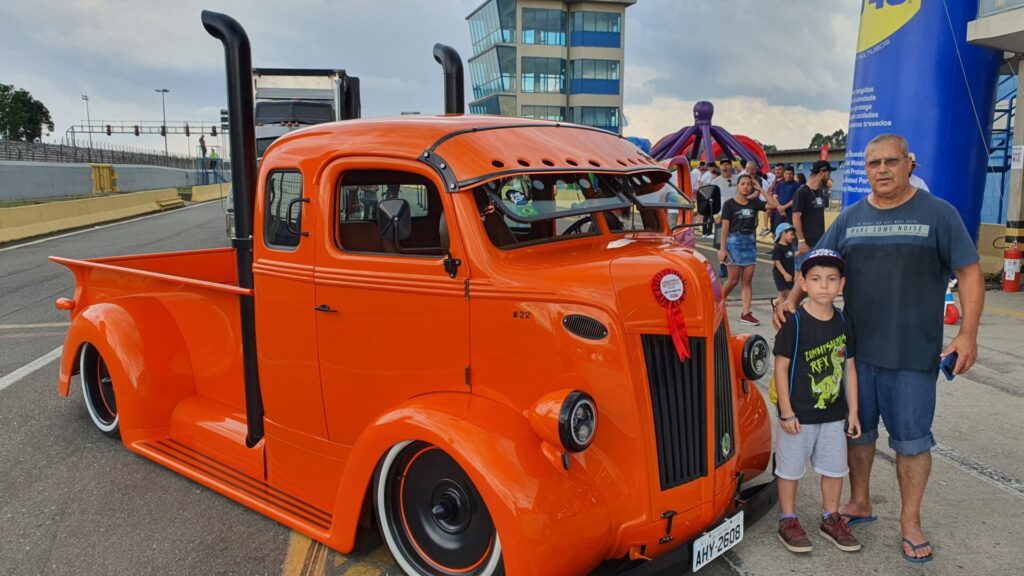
[713,544]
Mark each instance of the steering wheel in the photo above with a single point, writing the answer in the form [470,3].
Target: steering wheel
[577,226]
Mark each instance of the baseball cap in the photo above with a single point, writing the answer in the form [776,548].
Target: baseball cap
[782,227]
[823,256]
[820,165]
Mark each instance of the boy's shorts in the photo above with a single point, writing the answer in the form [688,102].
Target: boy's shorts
[905,402]
[780,282]
[824,444]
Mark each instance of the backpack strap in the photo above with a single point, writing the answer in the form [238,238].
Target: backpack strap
[796,344]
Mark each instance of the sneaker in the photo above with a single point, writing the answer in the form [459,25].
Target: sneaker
[748,318]
[793,536]
[835,529]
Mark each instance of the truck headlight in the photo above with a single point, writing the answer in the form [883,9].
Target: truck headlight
[755,357]
[577,421]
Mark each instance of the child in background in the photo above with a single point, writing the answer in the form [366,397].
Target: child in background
[813,349]
[782,260]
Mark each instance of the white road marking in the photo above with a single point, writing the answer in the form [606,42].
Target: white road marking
[30,367]
[101,226]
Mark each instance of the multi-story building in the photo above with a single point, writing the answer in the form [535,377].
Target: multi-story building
[552,59]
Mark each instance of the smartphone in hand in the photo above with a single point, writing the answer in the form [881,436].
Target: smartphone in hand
[947,365]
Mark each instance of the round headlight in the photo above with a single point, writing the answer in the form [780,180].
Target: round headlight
[577,421]
[755,357]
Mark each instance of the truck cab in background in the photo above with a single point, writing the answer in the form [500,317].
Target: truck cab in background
[291,98]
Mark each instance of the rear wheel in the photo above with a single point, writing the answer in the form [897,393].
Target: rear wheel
[98,391]
[433,519]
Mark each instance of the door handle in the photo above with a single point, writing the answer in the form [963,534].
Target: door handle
[324,308]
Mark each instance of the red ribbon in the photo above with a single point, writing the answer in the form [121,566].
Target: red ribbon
[669,294]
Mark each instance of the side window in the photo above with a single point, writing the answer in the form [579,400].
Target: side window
[282,212]
[389,212]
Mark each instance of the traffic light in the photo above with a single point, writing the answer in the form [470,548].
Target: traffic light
[163,130]
[187,133]
[213,131]
[223,118]
[136,129]
[108,130]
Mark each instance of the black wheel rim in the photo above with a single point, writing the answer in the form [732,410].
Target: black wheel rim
[436,514]
[100,388]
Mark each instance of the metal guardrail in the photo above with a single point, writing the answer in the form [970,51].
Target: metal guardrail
[38,152]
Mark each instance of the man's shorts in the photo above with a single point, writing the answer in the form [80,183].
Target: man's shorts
[905,401]
[824,444]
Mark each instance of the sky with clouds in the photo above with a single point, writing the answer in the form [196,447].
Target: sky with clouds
[776,70]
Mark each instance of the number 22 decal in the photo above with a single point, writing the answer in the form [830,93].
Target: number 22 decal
[521,315]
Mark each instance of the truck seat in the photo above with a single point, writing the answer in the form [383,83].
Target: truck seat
[360,236]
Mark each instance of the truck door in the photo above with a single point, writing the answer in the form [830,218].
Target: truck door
[285,323]
[392,320]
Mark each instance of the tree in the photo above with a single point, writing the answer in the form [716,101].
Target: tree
[22,117]
[836,139]
[769,148]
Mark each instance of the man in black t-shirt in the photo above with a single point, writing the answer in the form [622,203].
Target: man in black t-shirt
[809,203]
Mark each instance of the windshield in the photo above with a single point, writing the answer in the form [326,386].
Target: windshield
[535,197]
[301,111]
[654,190]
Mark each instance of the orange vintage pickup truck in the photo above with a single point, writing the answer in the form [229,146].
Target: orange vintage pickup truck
[474,334]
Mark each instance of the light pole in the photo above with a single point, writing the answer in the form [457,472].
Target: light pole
[163,106]
[88,120]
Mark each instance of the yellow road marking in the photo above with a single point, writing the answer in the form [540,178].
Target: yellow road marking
[42,325]
[1003,311]
[301,556]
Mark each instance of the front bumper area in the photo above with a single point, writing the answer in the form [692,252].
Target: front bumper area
[754,501]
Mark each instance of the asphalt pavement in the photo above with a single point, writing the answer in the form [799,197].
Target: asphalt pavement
[75,502]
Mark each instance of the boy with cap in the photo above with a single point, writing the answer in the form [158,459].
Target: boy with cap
[809,203]
[816,384]
[782,261]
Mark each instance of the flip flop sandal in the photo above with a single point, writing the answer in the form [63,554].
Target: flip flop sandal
[915,548]
[853,520]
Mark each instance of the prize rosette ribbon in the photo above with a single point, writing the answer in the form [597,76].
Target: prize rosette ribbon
[668,288]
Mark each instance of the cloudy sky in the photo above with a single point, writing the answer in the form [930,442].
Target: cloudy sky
[776,70]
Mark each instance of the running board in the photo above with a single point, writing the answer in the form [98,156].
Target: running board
[238,486]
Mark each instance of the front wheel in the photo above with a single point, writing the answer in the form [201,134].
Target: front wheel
[98,391]
[433,519]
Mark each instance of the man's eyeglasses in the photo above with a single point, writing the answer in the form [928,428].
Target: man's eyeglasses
[889,162]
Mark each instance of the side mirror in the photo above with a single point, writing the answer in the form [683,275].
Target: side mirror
[394,219]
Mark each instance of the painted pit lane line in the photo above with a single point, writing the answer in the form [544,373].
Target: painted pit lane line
[30,367]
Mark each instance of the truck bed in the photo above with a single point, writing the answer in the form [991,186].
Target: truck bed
[212,268]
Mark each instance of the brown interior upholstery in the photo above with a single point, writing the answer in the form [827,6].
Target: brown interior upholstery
[360,236]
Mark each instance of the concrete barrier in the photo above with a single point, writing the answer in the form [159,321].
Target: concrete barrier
[208,192]
[37,219]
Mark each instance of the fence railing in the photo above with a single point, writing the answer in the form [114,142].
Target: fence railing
[105,154]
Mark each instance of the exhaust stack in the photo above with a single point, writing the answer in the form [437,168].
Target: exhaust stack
[238,62]
[454,88]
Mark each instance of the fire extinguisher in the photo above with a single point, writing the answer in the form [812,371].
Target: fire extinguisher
[1011,268]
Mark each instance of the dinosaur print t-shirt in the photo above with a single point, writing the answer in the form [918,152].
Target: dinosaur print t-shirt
[817,390]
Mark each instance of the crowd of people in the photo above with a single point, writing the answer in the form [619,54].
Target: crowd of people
[785,200]
[842,369]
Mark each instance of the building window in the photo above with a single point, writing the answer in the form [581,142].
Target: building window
[554,113]
[493,71]
[283,209]
[543,75]
[600,29]
[498,105]
[594,77]
[603,117]
[542,26]
[492,23]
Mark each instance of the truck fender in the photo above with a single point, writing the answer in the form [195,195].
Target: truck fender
[550,521]
[754,431]
[148,361]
